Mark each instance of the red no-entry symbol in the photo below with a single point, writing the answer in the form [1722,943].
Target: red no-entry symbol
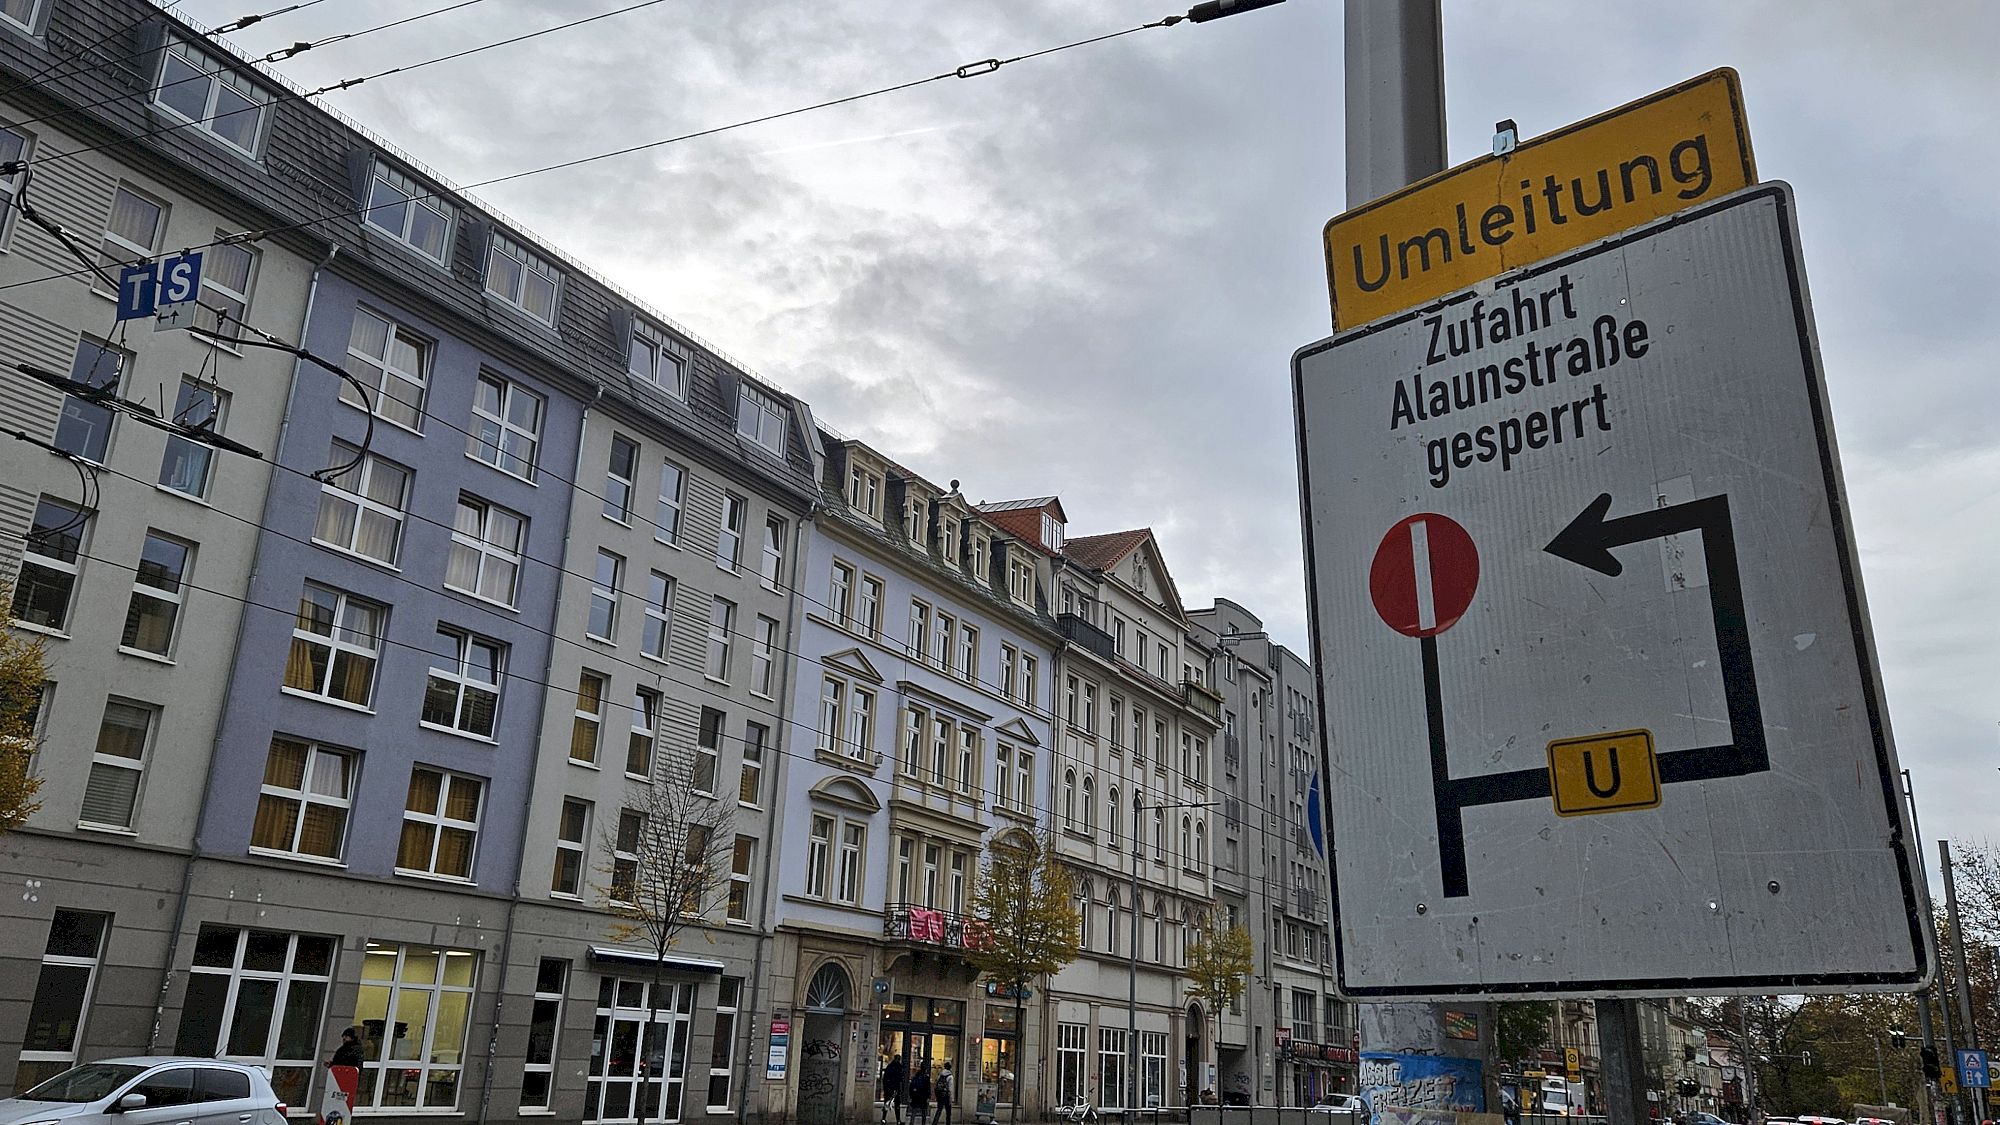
[1423,575]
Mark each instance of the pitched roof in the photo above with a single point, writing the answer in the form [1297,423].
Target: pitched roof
[1023,518]
[1102,552]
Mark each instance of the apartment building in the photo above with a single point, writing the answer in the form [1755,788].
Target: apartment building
[925,658]
[1132,804]
[1296,1041]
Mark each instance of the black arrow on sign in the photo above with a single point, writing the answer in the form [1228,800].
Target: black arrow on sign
[1587,541]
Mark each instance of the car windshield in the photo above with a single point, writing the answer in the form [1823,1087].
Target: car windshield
[85,1083]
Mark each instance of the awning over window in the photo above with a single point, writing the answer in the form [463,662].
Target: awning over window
[673,961]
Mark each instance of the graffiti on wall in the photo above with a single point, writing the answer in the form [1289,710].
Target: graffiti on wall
[1421,1081]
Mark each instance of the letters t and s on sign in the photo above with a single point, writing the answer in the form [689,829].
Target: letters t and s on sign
[166,290]
[1663,153]
[1600,495]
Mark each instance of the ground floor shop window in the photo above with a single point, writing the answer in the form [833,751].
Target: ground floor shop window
[999,1057]
[1111,1057]
[923,1031]
[544,1024]
[633,1071]
[1070,1061]
[414,1008]
[1153,1067]
[259,996]
[722,1044]
[62,995]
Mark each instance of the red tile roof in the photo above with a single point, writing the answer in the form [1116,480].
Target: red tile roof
[1102,552]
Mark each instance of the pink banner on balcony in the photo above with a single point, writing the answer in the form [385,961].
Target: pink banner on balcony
[926,925]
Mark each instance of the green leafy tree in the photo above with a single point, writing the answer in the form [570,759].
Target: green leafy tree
[23,669]
[1521,1028]
[1218,959]
[1027,926]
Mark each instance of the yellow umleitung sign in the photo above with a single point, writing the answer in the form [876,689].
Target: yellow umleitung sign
[1665,152]
[1603,773]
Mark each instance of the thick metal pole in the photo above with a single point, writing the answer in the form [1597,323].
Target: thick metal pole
[1971,1029]
[1942,1044]
[1621,1060]
[1395,95]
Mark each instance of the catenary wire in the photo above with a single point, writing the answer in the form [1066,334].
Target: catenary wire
[968,70]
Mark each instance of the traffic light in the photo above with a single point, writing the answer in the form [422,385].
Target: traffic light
[1898,1040]
[1932,1071]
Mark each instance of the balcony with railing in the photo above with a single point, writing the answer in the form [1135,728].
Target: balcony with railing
[942,929]
[1202,700]
[1078,631]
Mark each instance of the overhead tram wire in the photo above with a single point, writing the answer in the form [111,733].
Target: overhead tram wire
[303,95]
[967,71]
[80,64]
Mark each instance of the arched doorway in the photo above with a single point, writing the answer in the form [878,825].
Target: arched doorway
[1195,1056]
[820,1085]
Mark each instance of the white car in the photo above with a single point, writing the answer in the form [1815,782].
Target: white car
[149,1091]
[1340,1103]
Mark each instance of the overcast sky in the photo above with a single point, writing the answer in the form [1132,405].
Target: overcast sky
[1085,274]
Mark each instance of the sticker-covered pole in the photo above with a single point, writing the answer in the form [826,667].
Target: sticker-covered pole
[1622,1060]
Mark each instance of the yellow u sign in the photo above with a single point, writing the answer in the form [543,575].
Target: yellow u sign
[1603,773]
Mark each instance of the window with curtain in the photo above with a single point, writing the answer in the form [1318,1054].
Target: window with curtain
[303,806]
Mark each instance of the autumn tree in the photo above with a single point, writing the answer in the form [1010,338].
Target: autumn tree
[1218,958]
[1026,926]
[670,858]
[23,669]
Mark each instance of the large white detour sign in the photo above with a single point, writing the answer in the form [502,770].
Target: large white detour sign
[1601,702]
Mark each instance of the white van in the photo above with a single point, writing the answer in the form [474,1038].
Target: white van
[1561,1097]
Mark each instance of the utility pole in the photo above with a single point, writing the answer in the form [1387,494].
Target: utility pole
[1978,1093]
[1942,1047]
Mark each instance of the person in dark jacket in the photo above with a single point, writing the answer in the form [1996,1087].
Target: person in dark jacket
[943,1095]
[349,1051]
[893,1090]
[920,1093]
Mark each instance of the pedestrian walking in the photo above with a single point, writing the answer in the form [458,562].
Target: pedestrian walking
[894,1090]
[349,1051]
[944,1095]
[920,1093]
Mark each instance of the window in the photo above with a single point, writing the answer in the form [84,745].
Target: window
[1138,737]
[750,783]
[361,508]
[1114,817]
[62,995]
[656,362]
[1089,804]
[25,15]
[864,492]
[187,466]
[1020,580]
[740,858]
[1160,744]
[1069,799]
[1118,636]
[610,573]
[1018,792]
[406,212]
[620,1087]
[1070,1039]
[1030,681]
[774,552]
[303,807]
[392,365]
[708,751]
[486,545]
[335,644]
[589,721]
[217,97]
[47,576]
[721,624]
[112,792]
[659,615]
[572,828]
[869,616]
[948,540]
[625,856]
[620,470]
[506,426]
[853,850]
[440,824]
[1200,844]
[645,729]
[522,279]
[258,997]
[134,231]
[1153,1067]
[1111,1059]
[1070,693]
[975,558]
[920,630]
[1089,708]
[1187,842]
[832,709]
[1003,774]
[940,767]
[462,692]
[424,992]
[84,428]
[544,1027]
[729,538]
[840,592]
[667,521]
[947,628]
[1159,836]
[1007,658]
[722,1049]
[14,145]
[1114,726]
[968,654]
[763,656]
[228,272]
[912,747]
[759,418]
[968,760]
[818,855]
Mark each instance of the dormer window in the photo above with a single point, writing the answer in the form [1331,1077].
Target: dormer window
[975,557]
[404,210]
[202,89]
[522,279]
[948,540]
[913,520]
[761,419]
[1020,580]
[864,492]
[654,361]
[1052,532]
